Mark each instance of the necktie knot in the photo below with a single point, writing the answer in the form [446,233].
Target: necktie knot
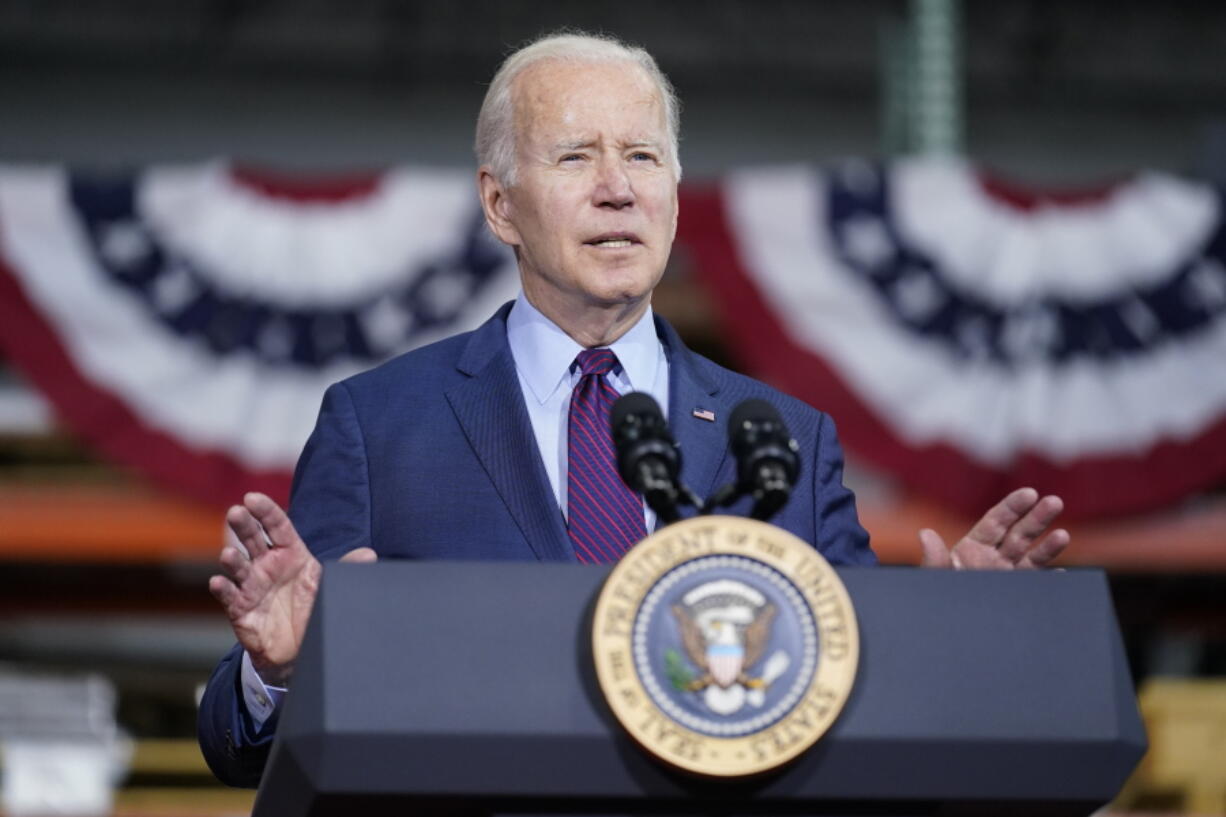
[596,361]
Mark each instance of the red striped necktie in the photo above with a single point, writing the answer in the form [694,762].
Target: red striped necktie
[604,516]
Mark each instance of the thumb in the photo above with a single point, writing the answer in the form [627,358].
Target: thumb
[934,552]
[360,555]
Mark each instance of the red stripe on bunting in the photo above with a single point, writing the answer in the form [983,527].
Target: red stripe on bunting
[1027,199]
[1090,486]
[107,423]
[306,189]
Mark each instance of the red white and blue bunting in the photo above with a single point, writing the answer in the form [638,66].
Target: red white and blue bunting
[968,344]
[186,320]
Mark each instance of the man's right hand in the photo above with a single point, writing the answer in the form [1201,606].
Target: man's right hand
[268,591]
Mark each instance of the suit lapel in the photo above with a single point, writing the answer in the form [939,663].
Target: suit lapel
[489,406]
[704,444]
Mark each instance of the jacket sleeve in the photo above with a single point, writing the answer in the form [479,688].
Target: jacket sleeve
[330,508]
[235,751]
[330,500]
[840,536]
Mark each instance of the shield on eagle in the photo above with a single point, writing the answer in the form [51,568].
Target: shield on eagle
[725,626]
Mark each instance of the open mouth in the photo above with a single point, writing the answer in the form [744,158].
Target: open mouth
[613,241]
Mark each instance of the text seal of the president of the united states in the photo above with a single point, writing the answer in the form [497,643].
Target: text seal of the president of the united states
[725,646]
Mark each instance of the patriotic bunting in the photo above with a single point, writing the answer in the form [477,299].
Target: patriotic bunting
[970,345]
[186,320]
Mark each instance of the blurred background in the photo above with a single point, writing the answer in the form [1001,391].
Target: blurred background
[986,237]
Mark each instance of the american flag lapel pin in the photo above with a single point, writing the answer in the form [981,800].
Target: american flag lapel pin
[705,414]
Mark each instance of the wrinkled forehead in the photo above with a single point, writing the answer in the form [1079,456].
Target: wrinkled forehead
[568,98]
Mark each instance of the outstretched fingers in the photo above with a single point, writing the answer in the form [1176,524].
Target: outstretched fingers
[273,519]
[247,530]
[236,565]
[933,551]
[1012,534]
[1023,534]
[994,526]
[231,596]
[1046,551]
[224,591]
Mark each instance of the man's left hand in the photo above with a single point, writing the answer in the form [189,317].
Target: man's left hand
[1009,536]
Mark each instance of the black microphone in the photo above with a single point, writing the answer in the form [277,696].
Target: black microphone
[648,458]
[766,456]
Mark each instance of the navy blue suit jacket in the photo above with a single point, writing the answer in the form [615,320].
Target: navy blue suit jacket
[432,456]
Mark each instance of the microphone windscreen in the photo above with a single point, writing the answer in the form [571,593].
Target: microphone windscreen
[636,403]
[753,411]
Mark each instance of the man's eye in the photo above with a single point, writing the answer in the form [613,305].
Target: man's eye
[572,157]
[640,156]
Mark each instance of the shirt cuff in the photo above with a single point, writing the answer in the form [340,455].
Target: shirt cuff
[261,699]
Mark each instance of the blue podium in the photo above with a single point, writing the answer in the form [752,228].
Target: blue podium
[468,688]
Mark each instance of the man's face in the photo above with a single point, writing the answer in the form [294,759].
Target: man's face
[593,210]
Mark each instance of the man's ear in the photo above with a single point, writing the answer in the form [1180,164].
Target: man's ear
[496,206]
[676,213]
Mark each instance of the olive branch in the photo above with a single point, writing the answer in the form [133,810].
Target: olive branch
[678,674]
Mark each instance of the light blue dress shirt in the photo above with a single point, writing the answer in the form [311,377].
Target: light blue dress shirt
[544,355]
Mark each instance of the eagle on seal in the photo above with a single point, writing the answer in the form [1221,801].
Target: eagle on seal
[724,641]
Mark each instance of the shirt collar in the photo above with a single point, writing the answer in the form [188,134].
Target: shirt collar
[543,353]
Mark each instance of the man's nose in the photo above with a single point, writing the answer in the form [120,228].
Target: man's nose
[613,187]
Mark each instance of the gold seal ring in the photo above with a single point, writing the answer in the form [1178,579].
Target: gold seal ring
[725,646]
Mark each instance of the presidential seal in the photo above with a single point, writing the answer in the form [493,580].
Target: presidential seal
[725,646]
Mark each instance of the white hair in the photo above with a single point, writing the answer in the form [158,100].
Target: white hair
[495,143]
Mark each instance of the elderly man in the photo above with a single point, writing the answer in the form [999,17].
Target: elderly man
[494,444]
